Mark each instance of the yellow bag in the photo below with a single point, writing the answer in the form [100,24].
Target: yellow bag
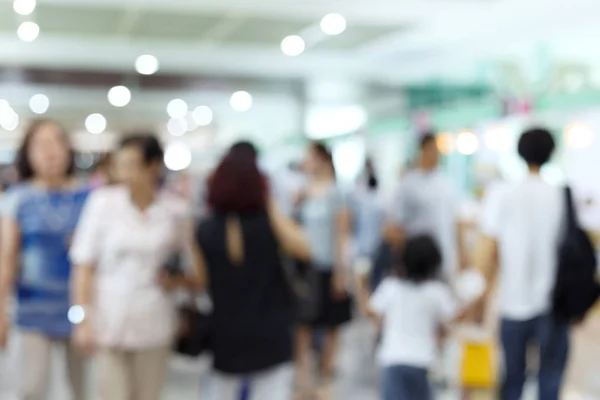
[478,367]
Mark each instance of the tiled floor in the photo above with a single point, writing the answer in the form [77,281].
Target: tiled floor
[357,376]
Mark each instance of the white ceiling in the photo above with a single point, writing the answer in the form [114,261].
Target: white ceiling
[434,37]
[387,41]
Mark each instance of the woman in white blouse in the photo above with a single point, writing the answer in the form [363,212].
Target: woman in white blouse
[125,236]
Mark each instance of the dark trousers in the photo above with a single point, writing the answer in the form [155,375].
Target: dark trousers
[402,382]
[551,338]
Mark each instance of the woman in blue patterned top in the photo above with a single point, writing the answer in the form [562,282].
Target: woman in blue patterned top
[39,216]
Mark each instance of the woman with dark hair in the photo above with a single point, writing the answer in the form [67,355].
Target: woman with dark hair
[239,247]
[368,212]
[122,306]
[325,216]
[39,215]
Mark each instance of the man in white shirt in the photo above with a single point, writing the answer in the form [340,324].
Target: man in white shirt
[426,204]
[522,229]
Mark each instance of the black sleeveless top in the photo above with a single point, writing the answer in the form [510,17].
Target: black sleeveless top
[252,322]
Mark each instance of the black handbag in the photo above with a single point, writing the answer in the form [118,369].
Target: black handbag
[194,326]
[303,285]
[193,335]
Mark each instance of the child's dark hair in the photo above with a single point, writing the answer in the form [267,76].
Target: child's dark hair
[420,260]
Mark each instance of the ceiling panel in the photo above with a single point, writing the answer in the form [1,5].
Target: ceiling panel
[265,31]
[357,36]
[164,26]
[78,20]
[7,17]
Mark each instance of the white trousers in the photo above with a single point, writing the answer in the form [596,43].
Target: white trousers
[132,374]
[273,384]
[35,350]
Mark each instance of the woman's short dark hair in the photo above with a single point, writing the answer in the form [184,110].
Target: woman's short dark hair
[426,139]
[323,152]
[150,147]
[23,166]
[421,259]
[237,185]
[245,146]
[536,146]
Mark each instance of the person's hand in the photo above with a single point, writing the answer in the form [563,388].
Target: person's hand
[83,338]
[4,331]
[338,286]
[475,313]
[463,261]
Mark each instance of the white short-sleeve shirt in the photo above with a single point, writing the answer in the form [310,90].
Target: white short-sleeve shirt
[128,247]
[526,220]
[412,315]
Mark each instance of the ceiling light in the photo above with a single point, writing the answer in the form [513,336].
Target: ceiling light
[177,126]
[28,31]
[146,64]
[95,123]
[177,109]
[191,124]
[241,101]
[293,46]
[203,115]
[24,7]
[5,111]
[445,143]
[498,139]
[9,119]
[177,157]
[119,96]
[333,24]
[326,122]
[39,103]
[467,143]
[579,136]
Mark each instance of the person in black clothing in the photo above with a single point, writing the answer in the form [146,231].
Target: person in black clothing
[239,248]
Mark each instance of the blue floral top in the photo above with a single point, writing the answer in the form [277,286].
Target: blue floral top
[46,220]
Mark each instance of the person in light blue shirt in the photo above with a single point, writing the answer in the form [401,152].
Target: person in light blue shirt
[325,218]
[368,216]
[368,213]
[39,216]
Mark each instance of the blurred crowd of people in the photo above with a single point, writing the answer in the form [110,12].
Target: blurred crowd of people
[88,265]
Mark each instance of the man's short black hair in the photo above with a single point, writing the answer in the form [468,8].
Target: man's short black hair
[426,139]
[420,259]
[151,149]
[245,147]
[536,146]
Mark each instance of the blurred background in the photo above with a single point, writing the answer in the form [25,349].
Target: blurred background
[365,76]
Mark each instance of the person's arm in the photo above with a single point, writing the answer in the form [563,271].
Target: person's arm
[194,280]
[84,254]
[459,211]
[9,254]
[289,235]
[486,261]
[393,230]
[486,257]
[342,238]
[461,243]
[10,244]
[187,278]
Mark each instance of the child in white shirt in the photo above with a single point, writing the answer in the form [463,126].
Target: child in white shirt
[412,306]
